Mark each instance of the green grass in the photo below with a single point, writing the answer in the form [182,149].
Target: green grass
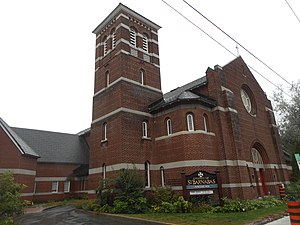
[213,218]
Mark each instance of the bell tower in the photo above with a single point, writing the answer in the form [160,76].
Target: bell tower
[127,81]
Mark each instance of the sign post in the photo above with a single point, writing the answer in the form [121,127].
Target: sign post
[220,192]
[184,191]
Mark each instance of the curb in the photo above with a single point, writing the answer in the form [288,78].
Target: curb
[128,218]
[269,219]
[145,221]
[30,210]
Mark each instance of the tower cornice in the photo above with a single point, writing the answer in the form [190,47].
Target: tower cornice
[124,8]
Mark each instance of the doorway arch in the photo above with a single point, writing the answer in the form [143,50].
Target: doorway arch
[259,159]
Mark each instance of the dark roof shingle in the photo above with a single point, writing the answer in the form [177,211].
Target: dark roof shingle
[53,147]
[183,93]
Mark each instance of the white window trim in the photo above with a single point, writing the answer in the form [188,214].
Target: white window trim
[142,76]
[104,171]
[169,127]
[68,183]
[145,129]
[190,122]
[104,130]
[107,79]
[162,176]
[54,190]
[205,123]
[147,168]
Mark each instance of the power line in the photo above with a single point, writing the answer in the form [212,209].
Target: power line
[222,46]
[238,43]
[199,28]
[292,10]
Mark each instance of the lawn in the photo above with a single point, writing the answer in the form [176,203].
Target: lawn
[240,218]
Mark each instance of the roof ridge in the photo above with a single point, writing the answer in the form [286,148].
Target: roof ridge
[48,131]
[22,146]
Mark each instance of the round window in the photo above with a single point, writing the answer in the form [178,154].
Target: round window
[246,100]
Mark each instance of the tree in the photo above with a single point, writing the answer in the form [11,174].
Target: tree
[130,192]
[10,203]
[288,112]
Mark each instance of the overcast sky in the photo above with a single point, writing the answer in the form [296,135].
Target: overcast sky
[47,51]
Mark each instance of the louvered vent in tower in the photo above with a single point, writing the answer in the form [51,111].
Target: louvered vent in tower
[132,37]
[145,43]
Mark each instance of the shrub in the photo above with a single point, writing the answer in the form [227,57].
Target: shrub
[293,191]
[164,207]
[129,184]
[200,199]
[182,206]
[120,207]
[129,192]
[179,206]
[246,205]
[161,194]
[10,203]
[106,209]
[105,192]
[131,206]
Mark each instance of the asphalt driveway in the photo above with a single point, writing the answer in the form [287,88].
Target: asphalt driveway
[67,215]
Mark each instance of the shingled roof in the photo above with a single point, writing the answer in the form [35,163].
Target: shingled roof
[19,143]
[183,94]
[53,147]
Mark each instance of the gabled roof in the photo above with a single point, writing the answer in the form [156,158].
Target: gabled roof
[18,142]
[183,94]
[54,147]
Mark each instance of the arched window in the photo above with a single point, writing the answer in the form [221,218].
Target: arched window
[145,43]
[256,157]
[145,129]
[147,174]
[107,78]
[248,100]
[132,34]
[113,39]
[104,171]
[169,126]
[162,176]
[104,131]
[205,122]
[142,76]
[190,122]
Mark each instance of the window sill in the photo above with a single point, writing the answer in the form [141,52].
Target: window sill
[146,138]
[103,141]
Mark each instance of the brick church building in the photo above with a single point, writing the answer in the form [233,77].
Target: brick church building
[221,122]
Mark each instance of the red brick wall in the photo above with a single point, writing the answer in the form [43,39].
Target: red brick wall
[12,159]
[232,131]
[49,172]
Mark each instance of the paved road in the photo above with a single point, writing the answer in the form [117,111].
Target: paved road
[68,215]
[283,221]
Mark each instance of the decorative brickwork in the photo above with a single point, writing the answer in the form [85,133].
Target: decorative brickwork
[223,133]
